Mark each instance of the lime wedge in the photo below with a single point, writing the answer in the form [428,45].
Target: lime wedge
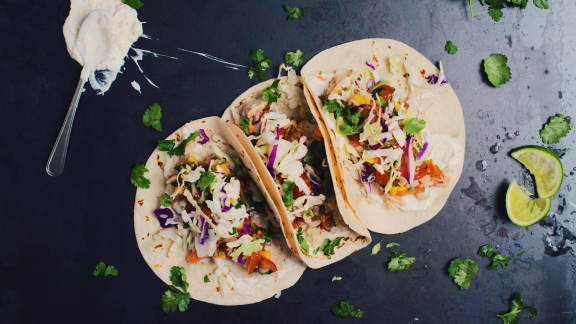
[544,166]
[522,209]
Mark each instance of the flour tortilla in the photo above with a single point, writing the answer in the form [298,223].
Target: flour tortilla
[360,237]
[154,247]
[443,116]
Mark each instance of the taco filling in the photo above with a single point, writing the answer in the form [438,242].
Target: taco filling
[380,133]
[217,211]
[283,132]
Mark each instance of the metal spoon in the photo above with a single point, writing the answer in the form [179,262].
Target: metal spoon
[95,50]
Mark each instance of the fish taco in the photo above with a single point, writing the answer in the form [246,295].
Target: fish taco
[204,211]
[395,126]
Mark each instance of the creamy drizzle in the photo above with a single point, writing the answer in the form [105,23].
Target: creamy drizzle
[230,65]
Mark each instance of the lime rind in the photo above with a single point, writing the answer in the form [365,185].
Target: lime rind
[545,167]
[522,209]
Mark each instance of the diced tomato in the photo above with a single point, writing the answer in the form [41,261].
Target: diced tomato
[306,179]
[382,178]
[293,134]
[253,262]
[385,91]
[355,140]
[267,108]
[318,133]
[193,257]
[428,168]
[266,264]
[404,165]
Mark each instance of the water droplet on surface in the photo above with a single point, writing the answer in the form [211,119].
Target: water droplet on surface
[481,165]
[495,148]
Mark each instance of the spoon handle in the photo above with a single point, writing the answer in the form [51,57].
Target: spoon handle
[57,159]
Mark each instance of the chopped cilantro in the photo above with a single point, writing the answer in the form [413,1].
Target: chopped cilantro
[302,240]
[293,13]
[376,248]
[499,260]
[343,309]
[165,200]
[166,145]
[206,279]
[177,297]
[450,48]
[261,64]
[333,106]
[463,271]
[486,250]
[413,126]
[556,128]
[179,150]
[517,305]
[495,13]
[205,180]
[293,58]
[152,116]
[496,69]
[244,124]
[104,270]
[288,197]
[399,262]
[272,93]
[542,4]
[137,177]
[328,246]
[518,3]
[392,244]
[136,4]
[521,253]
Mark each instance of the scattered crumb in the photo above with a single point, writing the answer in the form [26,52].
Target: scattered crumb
[141,202]
[136,86]
[278,294]
[336,278]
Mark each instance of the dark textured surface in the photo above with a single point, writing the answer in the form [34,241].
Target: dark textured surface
[54,230]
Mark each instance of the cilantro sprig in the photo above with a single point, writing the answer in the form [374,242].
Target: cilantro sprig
[205,180]
[272,93]
[177,297]
[103,270]
[328,246]
[293,58]
[261,64]
[152,116]
[450,47]
[136,4]
[498,259]
[288,197]
[399,262]
[556,128]
[496,69]
[137,177]
[517,305]
[463,271]
[293,13]
[343,309]
[244,124]
[165,200]
[170,145]
[414,126]
[302,240]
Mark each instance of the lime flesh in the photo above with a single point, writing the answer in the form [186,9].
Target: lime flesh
[544,166]
[522,209]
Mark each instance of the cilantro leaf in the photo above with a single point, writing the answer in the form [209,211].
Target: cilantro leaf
[244,124]
[333,106]
[165,200]
[136,4]
[206,279]
[261,64]
[293,58]
[137,177]
[293,13]
[152,116]
[288,197]
[496,69]
[495,13]
[272,93]
[399,262]
[413,126]
[178,278]
[542,4]
[392,244]
[166,145]
[450,47]
[205,180]
[328,246]
[499,260]
[517,305]
[556,127]
[486,250]
[302,240]
[343,309]
[181,148]
[518,3]
[463,271]
[175,300]
[102,269]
